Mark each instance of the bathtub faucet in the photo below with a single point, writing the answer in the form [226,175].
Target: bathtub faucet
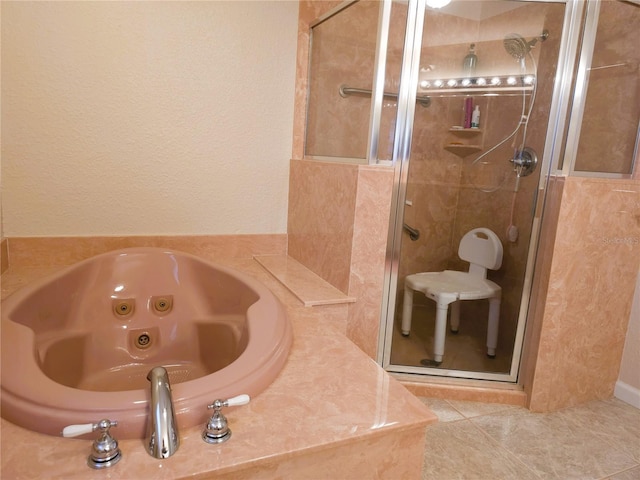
[162,437]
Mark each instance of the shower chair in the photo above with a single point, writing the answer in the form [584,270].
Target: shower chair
[480,247]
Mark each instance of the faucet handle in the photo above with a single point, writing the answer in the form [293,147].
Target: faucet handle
[230,402]
[104,451]
[80,429]
[217,429]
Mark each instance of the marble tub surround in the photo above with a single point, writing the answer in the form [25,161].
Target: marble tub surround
[308,287]
[52,251]
[466,390]
[337,228]
[355,422]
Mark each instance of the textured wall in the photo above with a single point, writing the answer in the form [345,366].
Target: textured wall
[596,256]
[629,372]
[123,118]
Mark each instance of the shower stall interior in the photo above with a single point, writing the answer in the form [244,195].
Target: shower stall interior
[400,84]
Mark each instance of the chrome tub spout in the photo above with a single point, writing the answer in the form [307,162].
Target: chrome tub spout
[162,438]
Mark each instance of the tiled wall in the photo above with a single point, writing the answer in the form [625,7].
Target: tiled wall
[61,251]
[596,256]
[577,325]
[338,222]
[322,200]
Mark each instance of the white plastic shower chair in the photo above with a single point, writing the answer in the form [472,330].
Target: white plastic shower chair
[483,250]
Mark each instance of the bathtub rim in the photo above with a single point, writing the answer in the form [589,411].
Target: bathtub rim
[65,405]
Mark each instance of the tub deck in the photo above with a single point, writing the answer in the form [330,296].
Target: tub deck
[331,413]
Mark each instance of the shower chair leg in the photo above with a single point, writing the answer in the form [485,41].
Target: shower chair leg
[492,327]
[440,332]
[407,310]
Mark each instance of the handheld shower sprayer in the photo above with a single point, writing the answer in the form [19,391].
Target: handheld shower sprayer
[518,47]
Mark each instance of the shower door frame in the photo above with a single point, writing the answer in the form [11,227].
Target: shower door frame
[553,150]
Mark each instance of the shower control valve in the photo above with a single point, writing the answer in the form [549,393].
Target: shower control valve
[217,429]
[525,161]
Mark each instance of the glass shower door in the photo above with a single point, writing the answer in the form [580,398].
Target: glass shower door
[497,58]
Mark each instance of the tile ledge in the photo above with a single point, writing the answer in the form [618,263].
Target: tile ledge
[467,390]
[307,286]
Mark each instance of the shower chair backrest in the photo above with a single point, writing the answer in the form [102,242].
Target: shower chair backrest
[482,249]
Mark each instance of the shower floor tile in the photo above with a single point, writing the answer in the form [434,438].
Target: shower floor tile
[465,350]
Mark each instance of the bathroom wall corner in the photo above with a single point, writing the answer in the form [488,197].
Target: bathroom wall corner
[366,278]
[529,376]
[596,256]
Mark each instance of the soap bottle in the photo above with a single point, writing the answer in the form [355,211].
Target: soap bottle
[475,118]
[470,62]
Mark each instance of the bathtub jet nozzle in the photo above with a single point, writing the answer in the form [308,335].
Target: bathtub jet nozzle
[163,439]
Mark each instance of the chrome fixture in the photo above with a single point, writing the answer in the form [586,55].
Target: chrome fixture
[525,161]
[217,429]
[104,451]
[414,233]
[162,437]
[345,91]
[518,47]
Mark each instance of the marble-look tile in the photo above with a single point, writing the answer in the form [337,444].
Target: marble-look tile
[308,287]
[322,200]
[554,446]
[596,258]
[401,458]
[459,450]
[613,421]
[476,409]
[373,201]
[631,474]
[443,409]
[470,390]
[36,251]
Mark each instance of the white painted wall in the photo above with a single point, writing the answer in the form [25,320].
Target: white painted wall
[124,118]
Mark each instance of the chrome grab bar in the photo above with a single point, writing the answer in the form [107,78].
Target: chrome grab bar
[346,91]
[414,233]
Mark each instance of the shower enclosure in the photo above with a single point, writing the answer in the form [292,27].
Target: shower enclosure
[395,84]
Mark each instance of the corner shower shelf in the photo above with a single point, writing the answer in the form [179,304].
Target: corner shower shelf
[462,150]
[465,130]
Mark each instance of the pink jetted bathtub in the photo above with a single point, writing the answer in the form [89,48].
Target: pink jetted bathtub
[77,346]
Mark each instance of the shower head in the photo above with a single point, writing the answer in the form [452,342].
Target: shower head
[518,47]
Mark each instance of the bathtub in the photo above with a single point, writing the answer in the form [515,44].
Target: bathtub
[77,346]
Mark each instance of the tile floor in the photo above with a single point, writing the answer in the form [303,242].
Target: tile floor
[598,440]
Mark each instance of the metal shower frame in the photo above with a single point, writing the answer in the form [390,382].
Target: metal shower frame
[554,146]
